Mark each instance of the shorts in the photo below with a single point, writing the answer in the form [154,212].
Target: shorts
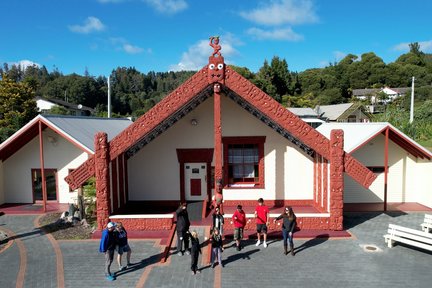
[238,233]
[262,228]
[121,249]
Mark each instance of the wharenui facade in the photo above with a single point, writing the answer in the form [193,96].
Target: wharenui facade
[219,132]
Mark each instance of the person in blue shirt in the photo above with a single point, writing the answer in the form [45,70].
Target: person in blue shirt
[107,246]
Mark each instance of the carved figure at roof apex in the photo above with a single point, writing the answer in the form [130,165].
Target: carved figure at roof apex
[214,43]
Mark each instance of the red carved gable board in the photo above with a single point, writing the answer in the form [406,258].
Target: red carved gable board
[297,127]
[245,89]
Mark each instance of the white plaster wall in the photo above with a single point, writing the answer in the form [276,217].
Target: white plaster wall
[419,181]
[44,105]
[1,184]
[61,155]
[154,170]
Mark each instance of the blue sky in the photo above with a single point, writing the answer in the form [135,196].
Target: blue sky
[163,35]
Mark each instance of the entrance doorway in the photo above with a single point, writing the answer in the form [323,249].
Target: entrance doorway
[51,184]
[195,181]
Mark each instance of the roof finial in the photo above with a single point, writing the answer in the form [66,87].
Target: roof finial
[214,42]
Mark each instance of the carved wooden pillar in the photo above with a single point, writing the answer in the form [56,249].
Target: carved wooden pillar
[336,179]
[102,159]
[217,138]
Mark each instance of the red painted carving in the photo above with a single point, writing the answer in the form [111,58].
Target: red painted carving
[298,128]
[103,200]
[214,43]
[146,224]
[77,177]
[336,179]
[216,70]
[218,144]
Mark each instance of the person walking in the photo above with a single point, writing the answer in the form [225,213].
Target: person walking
[217,247]
[195,251]
[239,220]
[262,218]
[288,226]
[183,225]
[122,246]
[107,246]
[218,221]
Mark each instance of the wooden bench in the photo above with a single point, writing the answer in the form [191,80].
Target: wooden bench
[427,223]
[408,236]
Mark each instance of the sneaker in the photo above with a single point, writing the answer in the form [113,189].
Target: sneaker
[265,244]
[187,252]
[193,273]
[121,268]
[180,253]
[198,271]
[238,248]
[110,278]
[213,265]
[258,243]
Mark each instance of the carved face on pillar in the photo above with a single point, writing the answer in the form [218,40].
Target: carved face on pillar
[216,70]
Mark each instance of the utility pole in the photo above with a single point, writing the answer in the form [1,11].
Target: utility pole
[412,102]
[109,96]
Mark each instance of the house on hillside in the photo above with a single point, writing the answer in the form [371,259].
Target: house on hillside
[308,115]
[345,112]
[55,144]
[372,94]
[45,105]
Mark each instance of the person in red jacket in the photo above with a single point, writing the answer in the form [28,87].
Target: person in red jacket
[239,220]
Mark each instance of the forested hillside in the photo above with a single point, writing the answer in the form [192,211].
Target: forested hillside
[134,92]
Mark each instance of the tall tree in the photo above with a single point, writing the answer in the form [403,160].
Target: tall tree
[17,106]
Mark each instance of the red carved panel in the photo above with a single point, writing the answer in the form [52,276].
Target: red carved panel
[81,174]
[103,200]
[336,179]
[146,224]
[325,195]
[217,139]
[289,121]
[303,223]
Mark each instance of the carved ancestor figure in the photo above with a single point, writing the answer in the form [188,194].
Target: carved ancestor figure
[214,43]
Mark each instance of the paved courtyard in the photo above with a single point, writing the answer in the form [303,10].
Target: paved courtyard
[34,259]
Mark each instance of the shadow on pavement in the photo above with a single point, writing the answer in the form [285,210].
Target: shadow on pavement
[312,242]
[239,255]
[352,219]
[141,264]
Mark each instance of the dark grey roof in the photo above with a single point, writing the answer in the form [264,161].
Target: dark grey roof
[83,129]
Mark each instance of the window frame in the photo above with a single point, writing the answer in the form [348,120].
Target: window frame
[244,140]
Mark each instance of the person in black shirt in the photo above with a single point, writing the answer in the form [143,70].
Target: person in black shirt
[288,226]
[183,225]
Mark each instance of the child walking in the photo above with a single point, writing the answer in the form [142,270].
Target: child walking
[195,251]
[217,247]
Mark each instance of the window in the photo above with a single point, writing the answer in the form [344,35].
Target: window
[244,161]
[376,169]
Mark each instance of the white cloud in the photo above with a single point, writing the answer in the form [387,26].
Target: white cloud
[339,55]
[91,24]
[131,49]
[197,55]
[168,6]
[275,34]
[425,46]
[280,12]
[123,45]
[23,64]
